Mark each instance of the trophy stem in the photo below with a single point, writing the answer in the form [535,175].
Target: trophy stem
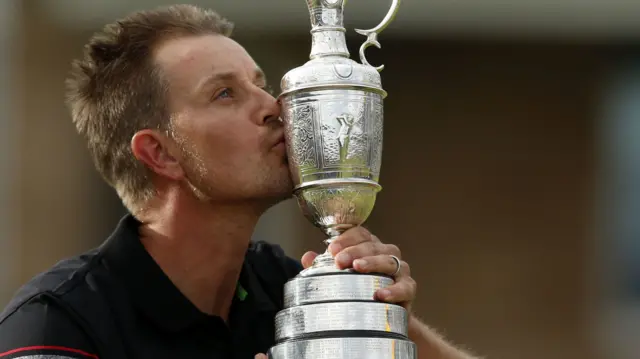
[324,263]
[325,259]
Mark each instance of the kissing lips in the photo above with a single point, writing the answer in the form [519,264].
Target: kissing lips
[280,147]
[279,144]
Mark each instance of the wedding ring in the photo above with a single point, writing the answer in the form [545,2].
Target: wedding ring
[397,263]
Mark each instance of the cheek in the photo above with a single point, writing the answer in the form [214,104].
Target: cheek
[226,136]
[231,147]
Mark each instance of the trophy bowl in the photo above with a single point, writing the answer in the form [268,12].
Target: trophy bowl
[334,145]
[337,206]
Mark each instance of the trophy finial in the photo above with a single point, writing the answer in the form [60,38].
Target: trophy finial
[327,30]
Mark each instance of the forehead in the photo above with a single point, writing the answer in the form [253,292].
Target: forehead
[186,60]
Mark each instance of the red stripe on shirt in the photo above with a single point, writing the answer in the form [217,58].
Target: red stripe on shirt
[49,347]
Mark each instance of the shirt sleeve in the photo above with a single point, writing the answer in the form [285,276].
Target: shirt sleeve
[292,267]
[42,328]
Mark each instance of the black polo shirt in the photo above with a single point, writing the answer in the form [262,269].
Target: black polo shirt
[115,302]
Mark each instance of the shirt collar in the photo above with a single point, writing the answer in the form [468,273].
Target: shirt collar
[153,292]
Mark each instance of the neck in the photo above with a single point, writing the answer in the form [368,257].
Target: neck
[200,247]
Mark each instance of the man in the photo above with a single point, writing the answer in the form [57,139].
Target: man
[178,121]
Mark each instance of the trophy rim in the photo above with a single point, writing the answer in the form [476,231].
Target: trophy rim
[331,182]
[303,290]
[358,86]
[321,348]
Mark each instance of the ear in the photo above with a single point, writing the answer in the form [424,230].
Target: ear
[154,150]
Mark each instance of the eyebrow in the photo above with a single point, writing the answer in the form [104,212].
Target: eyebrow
[259,76]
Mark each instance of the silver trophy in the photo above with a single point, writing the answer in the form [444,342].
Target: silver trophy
[332,108]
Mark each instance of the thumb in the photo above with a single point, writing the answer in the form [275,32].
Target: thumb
[261,356]
[307,259]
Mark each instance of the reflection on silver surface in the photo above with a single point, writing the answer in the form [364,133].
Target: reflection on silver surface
[345,348]
[379,317]
[333,288]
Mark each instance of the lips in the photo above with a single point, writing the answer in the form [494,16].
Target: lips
[279,140]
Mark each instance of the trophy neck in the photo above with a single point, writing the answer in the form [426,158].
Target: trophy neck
[327,30]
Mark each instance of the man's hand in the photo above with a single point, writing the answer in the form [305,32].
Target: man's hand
[357,248]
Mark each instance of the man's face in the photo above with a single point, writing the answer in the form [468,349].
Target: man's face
[226,125]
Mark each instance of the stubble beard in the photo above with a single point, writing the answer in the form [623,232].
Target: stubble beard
[269,186]
[196,173]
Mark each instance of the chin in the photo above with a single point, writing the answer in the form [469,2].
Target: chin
[274,199]
[283,193]
[283,190]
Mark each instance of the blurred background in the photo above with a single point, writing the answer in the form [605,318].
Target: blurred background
[510,169]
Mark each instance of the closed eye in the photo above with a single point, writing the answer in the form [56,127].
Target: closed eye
[268,89]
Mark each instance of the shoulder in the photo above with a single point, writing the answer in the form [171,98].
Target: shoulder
[268,256]
[39,322]
[42,327]
[59,280]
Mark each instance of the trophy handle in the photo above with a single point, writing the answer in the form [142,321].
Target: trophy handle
[372,34]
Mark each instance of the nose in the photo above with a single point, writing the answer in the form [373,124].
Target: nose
[271,109]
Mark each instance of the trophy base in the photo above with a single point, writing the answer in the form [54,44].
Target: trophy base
[341,287]
[345,348]
[326,319]
[332,313]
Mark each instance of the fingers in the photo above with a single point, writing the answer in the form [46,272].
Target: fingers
[382,263]
[352,237]
[261,356]
[307,259]
[365,250]
[403,291]
[358,243]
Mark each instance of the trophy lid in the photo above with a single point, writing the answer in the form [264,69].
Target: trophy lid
[329,73]
[330,66]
